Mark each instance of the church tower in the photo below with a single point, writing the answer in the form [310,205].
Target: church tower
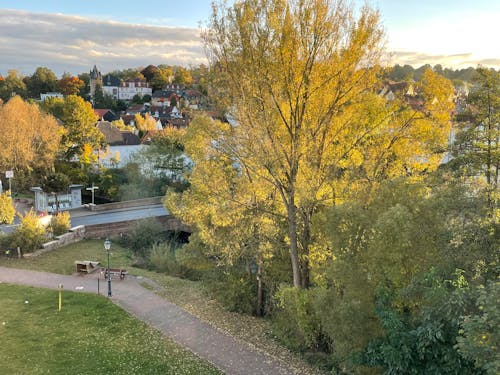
[95,79]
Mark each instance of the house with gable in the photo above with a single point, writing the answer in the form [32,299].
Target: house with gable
[132,87]
[105,115]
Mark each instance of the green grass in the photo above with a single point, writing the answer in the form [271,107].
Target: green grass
[89,336]
[62,260]
[190,295]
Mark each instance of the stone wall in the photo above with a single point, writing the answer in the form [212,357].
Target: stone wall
[126,204]
[74,235]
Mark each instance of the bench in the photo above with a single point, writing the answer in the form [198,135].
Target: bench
[115,272]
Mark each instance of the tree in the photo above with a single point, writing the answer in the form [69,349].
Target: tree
[161,78]
[137,99]
[7,209]
[232,232]
[30,234]
[480,338]
[145,123]
[299,79]
[12,85]
[42,81]
[30,138]
[149,72]
[85,89]
[477,147]
[156,168]
[182,76]
[69,85]
[79,120]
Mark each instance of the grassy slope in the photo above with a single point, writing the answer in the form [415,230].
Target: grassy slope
[89,336]
[187,294]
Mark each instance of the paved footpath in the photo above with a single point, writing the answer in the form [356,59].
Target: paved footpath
[224,352]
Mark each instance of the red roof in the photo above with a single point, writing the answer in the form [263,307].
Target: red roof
[101,112]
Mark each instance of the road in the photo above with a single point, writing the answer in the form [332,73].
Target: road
[103,217]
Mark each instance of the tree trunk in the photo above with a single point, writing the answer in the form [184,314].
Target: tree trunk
[259,309]
[292,232]
[306,241]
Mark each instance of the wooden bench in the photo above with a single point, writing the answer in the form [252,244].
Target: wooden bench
[115,272]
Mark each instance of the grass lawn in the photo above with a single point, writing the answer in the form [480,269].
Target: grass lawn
[187,294]
[89,336]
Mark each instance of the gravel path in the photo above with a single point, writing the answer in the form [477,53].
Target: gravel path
[223,351]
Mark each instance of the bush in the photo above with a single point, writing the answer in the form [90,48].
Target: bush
[30,234]
[143,236]
[295,321]
[7,209]
[236,292]
[60,223]
[163,258]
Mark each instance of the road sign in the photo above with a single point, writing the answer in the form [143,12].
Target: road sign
[9,174]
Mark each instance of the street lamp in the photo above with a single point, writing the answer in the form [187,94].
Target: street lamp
[107,246]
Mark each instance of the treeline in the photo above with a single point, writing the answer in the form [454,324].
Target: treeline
[44,80]
[407,72]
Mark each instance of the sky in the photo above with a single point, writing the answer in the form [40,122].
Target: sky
[73,35]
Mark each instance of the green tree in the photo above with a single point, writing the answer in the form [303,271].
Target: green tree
[12,85]
[477,149]
[7,209]
[85,89]
[42,81]
[480,338]
[149,71]
[78,118]
[421,342]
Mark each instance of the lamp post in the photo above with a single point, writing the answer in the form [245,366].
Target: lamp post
[107,246]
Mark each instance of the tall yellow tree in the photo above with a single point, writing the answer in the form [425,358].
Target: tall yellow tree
[29,138]
[299,79]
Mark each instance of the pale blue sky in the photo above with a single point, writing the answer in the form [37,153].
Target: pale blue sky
[120,34]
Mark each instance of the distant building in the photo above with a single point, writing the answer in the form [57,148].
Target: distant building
[110,86]
[48,95]
[115,88]
[132,87]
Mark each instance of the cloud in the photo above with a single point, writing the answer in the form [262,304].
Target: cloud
[74,44]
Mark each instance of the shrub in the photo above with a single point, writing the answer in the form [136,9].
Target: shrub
[60,223]
[30,234]
[143,236]
[236,292]
[163,258]
[7,209]
[295,321]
